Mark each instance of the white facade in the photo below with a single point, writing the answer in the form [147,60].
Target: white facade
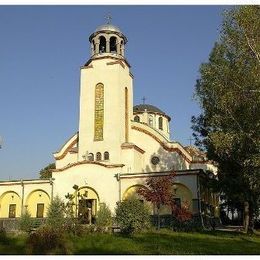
[113,150]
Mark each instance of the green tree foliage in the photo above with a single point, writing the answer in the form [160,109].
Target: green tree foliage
[228,91]
[56,213]
[46,172]
[104,217]
[159,192]
[132,215]
[26,222]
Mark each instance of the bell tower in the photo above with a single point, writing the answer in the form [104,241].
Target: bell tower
[106,96]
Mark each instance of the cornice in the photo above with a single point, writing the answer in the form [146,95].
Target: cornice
[88,162]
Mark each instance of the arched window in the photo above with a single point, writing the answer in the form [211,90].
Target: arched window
[160,123]
[91,157]
[137,119]
[93,46]
[98,156]
[106,155]
[112,44]
[99,112]
[126,115]
[150,120]
[102,44]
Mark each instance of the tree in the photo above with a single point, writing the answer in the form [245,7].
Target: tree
[26,221]
[104,217]
[228,91]
[158,191]
[46,172]
[56,213]
[132,215]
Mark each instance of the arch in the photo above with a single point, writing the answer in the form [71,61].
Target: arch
[160,123]
[99,112]
[98,156]
[137,119]
[102,44]
[113,44]
[183,193]
[91,157]
[7,199]
[36,198]
[106,155]
[132,191]
[88,203]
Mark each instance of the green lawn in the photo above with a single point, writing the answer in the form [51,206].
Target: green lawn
[164,243]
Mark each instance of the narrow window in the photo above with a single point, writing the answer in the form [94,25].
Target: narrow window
[102,44]
[137,119]
[91,157]
[112,44]
[99,112]
[150,120]
[40,209]
[177,202]
[12,210]
[126,115]
[106,155]
[160,123]
[98,156]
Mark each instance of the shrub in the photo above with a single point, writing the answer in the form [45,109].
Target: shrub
[48,240]
[56,213]
[26,222]
[3,237]
[104,218]
[132,215]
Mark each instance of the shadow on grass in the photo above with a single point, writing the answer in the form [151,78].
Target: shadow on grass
[13,245]
[217,243]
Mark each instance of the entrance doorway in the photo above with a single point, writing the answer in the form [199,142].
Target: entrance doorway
[87,211]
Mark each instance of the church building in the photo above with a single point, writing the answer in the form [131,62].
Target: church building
[116,148]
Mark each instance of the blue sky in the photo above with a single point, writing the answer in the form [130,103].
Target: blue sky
[43,47]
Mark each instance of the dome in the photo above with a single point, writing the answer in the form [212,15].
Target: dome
[108,27]
[149,108]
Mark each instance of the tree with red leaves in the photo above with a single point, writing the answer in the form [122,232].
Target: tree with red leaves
[159,191]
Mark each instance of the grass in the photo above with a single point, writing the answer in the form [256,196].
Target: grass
[164,242]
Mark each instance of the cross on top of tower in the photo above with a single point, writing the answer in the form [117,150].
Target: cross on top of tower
[143,100]
[108,18]
[190,139]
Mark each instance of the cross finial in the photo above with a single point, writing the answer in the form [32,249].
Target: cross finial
[143,100]
[108,18]
[190,139]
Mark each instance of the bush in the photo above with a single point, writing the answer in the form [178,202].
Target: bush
[26,222]
[56,213]
[104,218]
[48,240]
[132,215]
[3,237]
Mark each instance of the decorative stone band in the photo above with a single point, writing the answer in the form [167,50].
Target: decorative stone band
[159,174]
[124,61]
[166,146]
[88,162]
[152,112]
[69,147]
[132,146]
[25,182]
[116,62]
